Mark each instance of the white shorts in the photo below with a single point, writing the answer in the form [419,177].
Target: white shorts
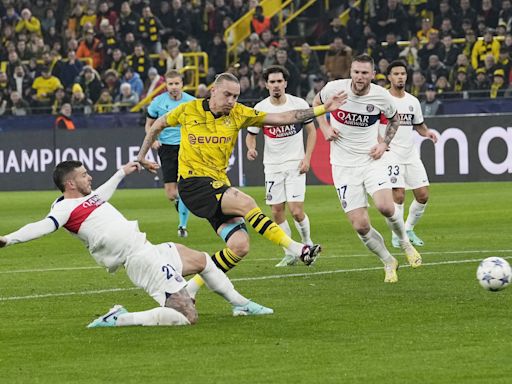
[411,175]
[156,269]
[284,186]
[353,184]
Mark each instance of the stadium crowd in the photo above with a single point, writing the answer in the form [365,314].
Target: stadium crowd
[104,56]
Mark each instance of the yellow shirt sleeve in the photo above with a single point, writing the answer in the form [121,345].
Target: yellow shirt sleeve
[250,117]
[173,117]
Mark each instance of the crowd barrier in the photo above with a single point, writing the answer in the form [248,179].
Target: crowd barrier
[470,148]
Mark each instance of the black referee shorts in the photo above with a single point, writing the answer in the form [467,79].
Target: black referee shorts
[168,155]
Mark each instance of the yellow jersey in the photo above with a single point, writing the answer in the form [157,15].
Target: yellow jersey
[207,140]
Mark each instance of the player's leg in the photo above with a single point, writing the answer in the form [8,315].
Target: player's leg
[199,262]
[352,195]
[275,197]
[398,198]
[235,202]
[418,180]
[295,184]
[394,171]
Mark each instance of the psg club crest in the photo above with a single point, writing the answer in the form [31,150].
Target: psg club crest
[344,203]
[393,179]
[269,197]
[411,108]
[370,108]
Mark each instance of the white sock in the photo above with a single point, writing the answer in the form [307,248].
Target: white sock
[399,208]
[416,211]
[155,316]
[375,243]
[219,283]
[304,230]
[396,224]
[286,228]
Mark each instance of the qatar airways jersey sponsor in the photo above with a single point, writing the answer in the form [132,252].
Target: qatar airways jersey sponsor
[284,145]
[108,235]
[357,121]
[409,114]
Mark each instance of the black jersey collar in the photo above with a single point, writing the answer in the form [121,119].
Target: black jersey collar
[206,107]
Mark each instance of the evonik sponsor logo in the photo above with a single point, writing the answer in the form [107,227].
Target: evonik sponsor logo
[194,139]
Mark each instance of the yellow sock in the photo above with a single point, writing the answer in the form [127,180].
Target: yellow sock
[225,260]
[267,228]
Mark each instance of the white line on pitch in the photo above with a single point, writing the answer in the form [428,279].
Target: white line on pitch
[282,276]
[250,259]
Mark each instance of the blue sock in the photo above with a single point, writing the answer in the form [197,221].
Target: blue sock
[184,213]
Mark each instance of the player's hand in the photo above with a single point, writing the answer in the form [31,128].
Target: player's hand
[131,167]
[304,166]
[335,101]
[3,241]
[149,165]
[252,154]
[331,134]
[156,145]
[432,135]
[378,150]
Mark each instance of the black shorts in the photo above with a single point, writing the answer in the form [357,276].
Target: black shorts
[169,159]
[202,196]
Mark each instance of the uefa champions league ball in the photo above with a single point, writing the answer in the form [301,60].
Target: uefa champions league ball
[494,273]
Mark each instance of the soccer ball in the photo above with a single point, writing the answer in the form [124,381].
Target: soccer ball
[494,273]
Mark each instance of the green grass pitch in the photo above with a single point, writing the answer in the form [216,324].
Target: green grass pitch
[336,322]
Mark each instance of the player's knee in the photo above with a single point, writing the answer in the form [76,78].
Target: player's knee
[386,210]
[240,248]
[422,198]
[298,214]
[362,228]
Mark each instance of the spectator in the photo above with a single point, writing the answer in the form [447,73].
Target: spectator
[253,55]
[462,84]
[3,104]
[133,78]
[338,60]
[318,84]
[336,29]
[18,106]
[450,52]
[175,60]
[90,82]
[105,13]
[104,103]
[490,65]
[419,84]
[179,19]
[433,47]
[148,30]
[430,106]
[498,86]
[448,28]
[109,41]
[380,79]
[126,99]
[20,82]
[68,71]
[504,61]
[202,91]
[117,61]
[443,87]
[483,47]
[63,120]
[424,33]
[153,81]
[372,48]
[260,22]
[468,13]
[294,80]
[246,94]
[48,21]
[28,23]
[217,56]
[392,18]
[308,65]
[11,17]
[140,61]
[410,54]
[127,21]
[462,62]
[435,69]
[256,74]
[482,85]
[90,46]
[238,9]
[59,99]
[79,102]
[44,87]
[469,42]
[444,12]
[73,21]
[489,13]
[112,83]
[391,51]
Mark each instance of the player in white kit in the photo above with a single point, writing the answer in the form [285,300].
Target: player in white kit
[284,158]
[405,168]
[357,167]
[113,241]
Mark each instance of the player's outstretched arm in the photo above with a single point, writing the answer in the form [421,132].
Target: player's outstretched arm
[301,115]
[29,232]
[157,127]
[310,146]
[329,133]
[107,189]
[425,132]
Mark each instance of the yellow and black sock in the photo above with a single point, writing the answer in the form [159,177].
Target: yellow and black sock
[267,228]
[225,260]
